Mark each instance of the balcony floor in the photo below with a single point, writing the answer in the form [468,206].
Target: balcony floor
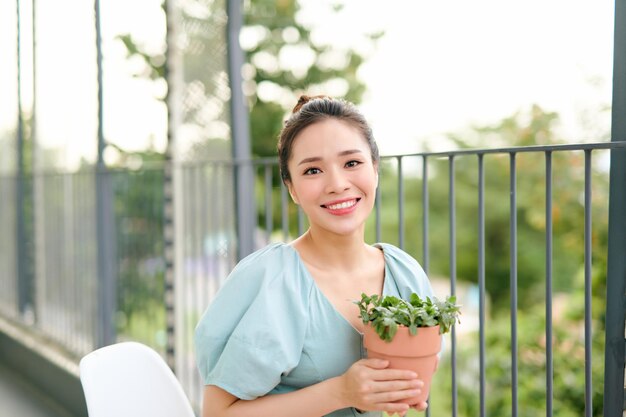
[18,397]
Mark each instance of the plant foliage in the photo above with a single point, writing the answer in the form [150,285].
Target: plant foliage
[386,313]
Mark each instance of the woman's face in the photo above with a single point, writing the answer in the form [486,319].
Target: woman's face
[333,177]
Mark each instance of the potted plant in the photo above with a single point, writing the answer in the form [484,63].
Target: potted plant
[407,333]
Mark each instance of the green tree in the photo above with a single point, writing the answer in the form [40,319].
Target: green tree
[283,58]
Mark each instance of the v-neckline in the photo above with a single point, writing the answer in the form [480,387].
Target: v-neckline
[325,298]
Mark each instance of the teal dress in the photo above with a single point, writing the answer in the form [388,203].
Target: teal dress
[270,329]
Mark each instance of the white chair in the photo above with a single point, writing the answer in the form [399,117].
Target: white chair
[131,380]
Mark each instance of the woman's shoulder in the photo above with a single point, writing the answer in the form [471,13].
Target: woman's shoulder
[406,272]
[267,253]
[273,256]
[276,263]
[263,283]
[394,253]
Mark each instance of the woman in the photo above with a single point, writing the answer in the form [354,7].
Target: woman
[283,337]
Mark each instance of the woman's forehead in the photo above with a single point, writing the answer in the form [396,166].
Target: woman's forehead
[329,135]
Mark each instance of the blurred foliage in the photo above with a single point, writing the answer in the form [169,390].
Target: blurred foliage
[274,33]
[138,204]
[277,31]
[567,210]
[568,363]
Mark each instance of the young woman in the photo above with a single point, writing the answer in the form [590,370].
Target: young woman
[283,337]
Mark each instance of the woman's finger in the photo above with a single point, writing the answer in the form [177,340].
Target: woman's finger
[397,385]
[421,406]
[388,374]
[393,396]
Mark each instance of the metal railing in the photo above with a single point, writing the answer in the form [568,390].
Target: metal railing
[440,207]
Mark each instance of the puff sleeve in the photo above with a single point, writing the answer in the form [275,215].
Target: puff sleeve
[253,332]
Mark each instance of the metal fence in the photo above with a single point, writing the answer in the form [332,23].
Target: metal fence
[458,213]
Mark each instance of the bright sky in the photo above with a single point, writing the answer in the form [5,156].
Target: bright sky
[440,67]
[445,65]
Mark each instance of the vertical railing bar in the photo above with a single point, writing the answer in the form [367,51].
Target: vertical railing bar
[208,231]
[63,278]
[59,265]
[300,221]
[284,204]
[425,204]
[104,210]
[268,202]
[378,207]
[400,204]
[614,398]
[229,217]
[60,232]
[67,256]
[53,254]
[86,270]
[207,246]
[207,198]
[588,260]
[452,205]
[197,236]
[203,267]
[21,246]
[244,209]
[549,356]
[481,278]
[513,282]
[75,290]
[214,222]
[425,226]
[191,253]
[72,292]
[223,179]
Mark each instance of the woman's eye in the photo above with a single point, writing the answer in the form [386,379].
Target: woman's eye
[352,164]
[312,171]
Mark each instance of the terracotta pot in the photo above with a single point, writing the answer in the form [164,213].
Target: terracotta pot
[417,353]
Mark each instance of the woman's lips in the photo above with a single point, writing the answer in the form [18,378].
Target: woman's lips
[341,207]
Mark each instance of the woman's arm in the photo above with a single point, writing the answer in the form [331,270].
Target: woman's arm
[368,385]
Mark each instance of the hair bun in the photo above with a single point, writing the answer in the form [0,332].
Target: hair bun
[305,99]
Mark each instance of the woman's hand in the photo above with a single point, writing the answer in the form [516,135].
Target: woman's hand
[369,385]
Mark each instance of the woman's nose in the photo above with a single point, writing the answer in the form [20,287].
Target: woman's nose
[336,181]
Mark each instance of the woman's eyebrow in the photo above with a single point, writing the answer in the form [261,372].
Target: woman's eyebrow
[319,158]
[312,159]
[349,152]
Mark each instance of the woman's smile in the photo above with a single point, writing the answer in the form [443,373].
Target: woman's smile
[341,207]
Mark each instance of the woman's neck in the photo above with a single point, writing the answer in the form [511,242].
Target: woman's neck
[330,251]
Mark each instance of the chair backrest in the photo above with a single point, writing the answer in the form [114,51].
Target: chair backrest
[129,380]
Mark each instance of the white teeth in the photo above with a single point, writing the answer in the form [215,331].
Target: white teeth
[343,205]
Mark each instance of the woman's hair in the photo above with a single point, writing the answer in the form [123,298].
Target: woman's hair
[311,110]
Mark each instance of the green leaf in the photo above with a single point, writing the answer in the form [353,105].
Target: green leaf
[387,313]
